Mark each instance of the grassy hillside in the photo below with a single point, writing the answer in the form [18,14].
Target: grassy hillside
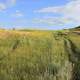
[39,55]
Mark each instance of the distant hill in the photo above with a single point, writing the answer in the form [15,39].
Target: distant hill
[75,28]
[78,27]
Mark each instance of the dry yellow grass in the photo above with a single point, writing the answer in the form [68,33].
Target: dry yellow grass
[38,55]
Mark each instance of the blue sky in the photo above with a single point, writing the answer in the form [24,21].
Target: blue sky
[39,14]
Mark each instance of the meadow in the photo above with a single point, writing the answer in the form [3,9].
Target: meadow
[39,55]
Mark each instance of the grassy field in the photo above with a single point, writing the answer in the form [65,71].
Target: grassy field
[39,55]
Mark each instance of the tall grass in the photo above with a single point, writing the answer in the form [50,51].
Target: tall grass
[40,55]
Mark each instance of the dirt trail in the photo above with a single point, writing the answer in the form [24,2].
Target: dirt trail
[70,49]
[73,58]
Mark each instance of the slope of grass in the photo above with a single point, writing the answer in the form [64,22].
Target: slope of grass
[38,55]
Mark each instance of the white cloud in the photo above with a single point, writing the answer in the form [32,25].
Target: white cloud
[50,9]
[11,2]
[6,4]
[69,11]
[53,21]
[18,14]
[2,7]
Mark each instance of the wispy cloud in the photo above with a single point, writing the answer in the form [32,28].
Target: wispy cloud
[6,4]
[51,21]
[17,14]
[69,11]
[2,7]
[11,2]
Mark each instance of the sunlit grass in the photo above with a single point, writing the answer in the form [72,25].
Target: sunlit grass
[35,55]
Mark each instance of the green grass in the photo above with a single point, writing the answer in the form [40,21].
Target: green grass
[39,55]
